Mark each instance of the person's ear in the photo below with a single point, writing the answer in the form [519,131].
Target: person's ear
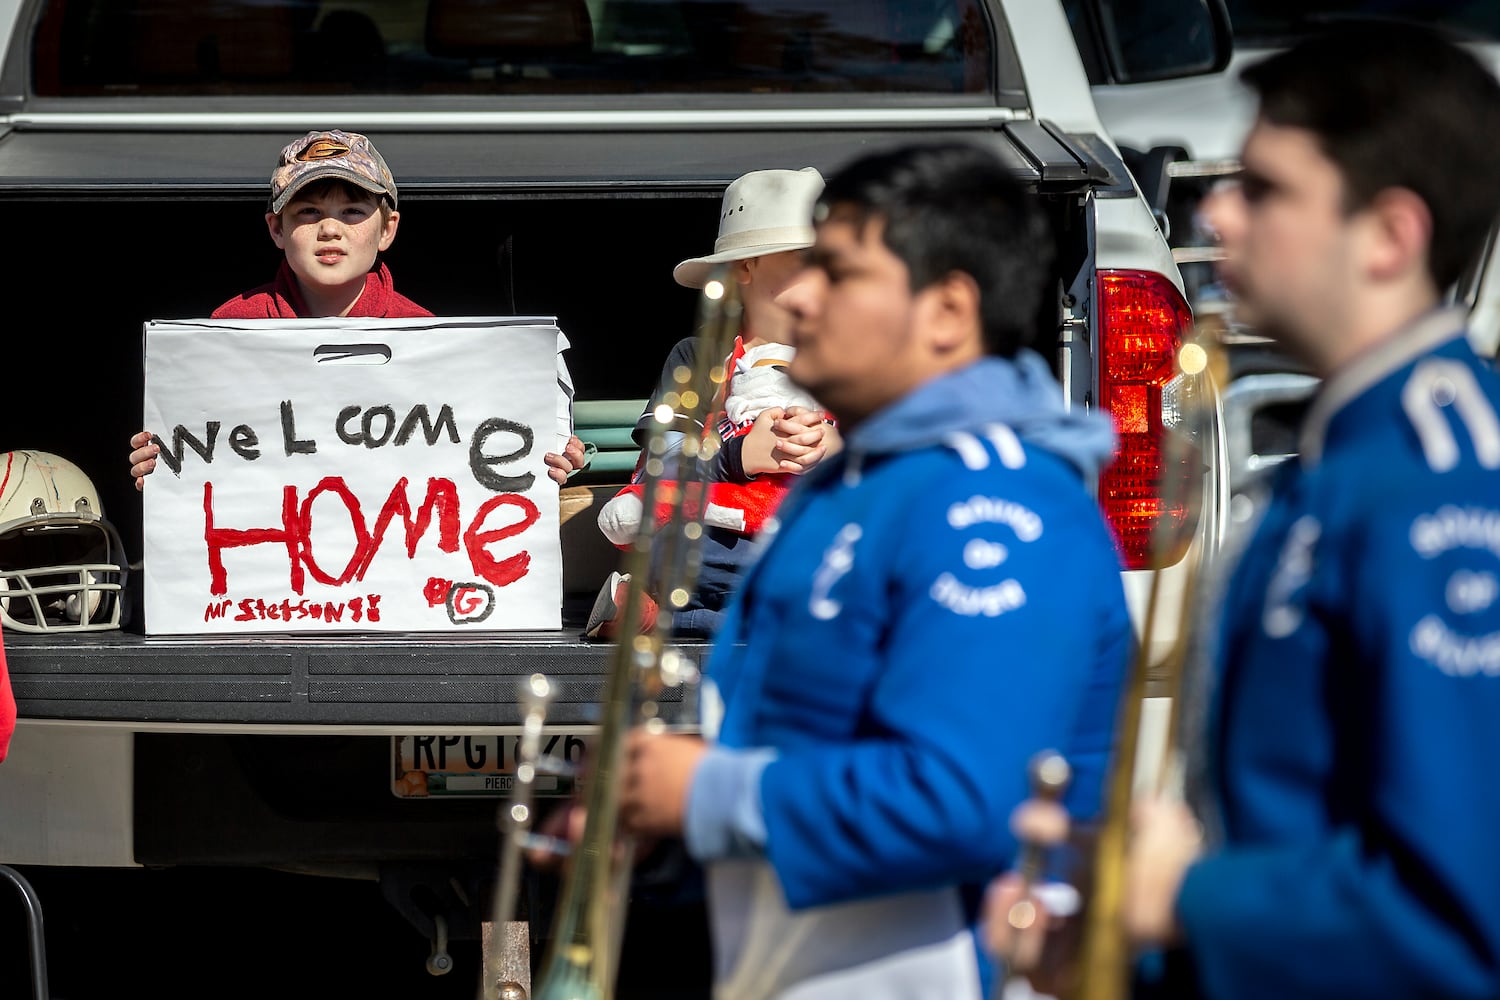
[273,224]
[388,232]
[741,269]
[949,312]
[1399,235]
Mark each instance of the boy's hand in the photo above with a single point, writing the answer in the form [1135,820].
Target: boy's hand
[1014,931]
[563,823]
[559,467]
[567,823]
[142,458]
[1164,840]
[659,768]
[1020,949]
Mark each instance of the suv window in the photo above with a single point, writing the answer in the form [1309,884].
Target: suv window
[92,48]
[1280,22]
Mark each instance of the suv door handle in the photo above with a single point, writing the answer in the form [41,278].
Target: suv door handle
[1247,396]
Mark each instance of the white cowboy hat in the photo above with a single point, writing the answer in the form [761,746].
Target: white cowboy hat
[764,211]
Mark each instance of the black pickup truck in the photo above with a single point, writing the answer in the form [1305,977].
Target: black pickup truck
[556,159]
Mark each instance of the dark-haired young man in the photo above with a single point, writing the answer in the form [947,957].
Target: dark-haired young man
[1349,843]
[941,600]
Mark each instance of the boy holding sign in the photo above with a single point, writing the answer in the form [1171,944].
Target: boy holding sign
[332,210]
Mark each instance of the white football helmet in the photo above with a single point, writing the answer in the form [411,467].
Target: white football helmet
[62,565]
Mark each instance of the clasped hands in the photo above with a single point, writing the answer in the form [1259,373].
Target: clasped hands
[790,440]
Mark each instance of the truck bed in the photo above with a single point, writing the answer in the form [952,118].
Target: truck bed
[387,681]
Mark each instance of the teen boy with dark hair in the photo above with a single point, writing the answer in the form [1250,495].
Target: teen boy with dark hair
[1346,847]
[941,600]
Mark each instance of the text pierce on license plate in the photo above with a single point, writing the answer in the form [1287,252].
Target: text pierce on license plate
[478,766]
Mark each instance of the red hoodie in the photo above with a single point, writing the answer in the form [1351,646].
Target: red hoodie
[282,299]
[7,706]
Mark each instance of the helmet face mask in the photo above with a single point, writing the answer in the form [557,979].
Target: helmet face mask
[62,565]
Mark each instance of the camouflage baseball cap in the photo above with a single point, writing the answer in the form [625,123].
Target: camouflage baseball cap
[318,156]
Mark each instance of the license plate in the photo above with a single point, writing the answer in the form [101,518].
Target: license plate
[479,766]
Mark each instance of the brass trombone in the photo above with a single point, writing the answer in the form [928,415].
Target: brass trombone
[588,926]
[1100,968]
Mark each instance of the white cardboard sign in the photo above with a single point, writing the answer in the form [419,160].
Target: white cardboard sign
[335,475]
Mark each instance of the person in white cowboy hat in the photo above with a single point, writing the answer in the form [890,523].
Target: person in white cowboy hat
[772,430]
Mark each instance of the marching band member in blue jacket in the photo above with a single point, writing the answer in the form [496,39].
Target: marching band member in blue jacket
[941,601]
[1353,722]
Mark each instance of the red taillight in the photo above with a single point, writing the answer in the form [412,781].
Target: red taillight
[1143,318]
